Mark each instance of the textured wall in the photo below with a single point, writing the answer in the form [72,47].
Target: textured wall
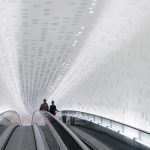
[111,75]
[87,55]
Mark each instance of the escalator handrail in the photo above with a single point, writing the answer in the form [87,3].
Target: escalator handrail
[73,111]
[68,131]
[6,135]
[38,139]
[13,111]
[55,134]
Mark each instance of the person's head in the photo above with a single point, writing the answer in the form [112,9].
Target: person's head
[44,100]
[52,102]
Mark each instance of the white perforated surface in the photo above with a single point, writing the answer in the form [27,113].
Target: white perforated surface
[87,55]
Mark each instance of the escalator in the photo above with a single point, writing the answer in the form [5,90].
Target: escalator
[2,128]
[99,141]
[48,133]
[43,134]
[100,133]
[71,141]
[22,138]
[49,138]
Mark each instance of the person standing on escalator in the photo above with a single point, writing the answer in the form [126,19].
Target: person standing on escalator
[44,106]
[53,109]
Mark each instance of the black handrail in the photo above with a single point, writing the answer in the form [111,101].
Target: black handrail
[67,130]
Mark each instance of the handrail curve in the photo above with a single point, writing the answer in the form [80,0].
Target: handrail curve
[11,112]
[69,131]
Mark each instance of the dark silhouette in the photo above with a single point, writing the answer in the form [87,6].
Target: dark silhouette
[53,109]
[44,106]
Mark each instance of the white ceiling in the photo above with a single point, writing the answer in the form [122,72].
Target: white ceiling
[37,44]
[87,55]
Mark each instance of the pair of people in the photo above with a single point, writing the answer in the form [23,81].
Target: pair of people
[52,109]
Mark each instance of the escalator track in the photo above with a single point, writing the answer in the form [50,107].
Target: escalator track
[21,139]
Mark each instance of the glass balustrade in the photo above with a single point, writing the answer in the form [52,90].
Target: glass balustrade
[126,130]
[9,117]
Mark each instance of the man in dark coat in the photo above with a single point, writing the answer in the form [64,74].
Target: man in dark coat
[53,109]
[44,106]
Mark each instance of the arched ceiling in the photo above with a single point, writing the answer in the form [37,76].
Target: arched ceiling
[87,55]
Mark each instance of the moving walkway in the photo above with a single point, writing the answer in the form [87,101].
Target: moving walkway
[45,133]
[101,133]
[48,132]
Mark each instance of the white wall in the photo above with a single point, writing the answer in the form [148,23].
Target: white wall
[91,56]
[111,75]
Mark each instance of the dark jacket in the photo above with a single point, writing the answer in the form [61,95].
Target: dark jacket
[53,110]
[44,107]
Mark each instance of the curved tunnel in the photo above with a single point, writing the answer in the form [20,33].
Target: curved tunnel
[86,55]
